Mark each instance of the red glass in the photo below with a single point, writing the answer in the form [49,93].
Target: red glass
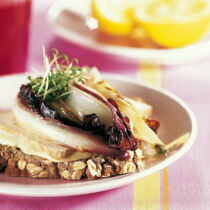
[14,33]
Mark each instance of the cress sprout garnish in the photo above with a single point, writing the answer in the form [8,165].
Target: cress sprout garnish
[59,71]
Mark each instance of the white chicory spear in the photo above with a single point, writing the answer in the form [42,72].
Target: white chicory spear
[83,104]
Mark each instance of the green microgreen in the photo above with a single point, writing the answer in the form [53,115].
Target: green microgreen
[160,149]
[59,71]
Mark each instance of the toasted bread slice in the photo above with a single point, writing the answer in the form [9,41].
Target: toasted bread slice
[16,163]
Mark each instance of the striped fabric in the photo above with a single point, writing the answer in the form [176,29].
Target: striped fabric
[147,191]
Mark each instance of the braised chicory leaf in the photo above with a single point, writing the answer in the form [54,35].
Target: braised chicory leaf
[140,128]
[118,135]
[83,103]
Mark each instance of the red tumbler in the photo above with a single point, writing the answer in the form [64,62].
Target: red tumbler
[14,34]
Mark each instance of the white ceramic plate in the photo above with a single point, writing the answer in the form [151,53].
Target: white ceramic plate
[68,20]
[168,109]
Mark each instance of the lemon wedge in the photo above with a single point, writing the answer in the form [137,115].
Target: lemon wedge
[114,16]
[174,23]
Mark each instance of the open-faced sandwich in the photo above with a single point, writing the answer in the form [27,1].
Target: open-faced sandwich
[71,124]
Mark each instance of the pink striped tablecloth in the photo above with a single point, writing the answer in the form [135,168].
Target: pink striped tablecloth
[183,185]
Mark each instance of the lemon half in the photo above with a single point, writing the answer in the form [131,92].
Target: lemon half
[112,16]
[174,23]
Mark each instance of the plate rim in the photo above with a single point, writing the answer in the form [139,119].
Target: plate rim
[66,190]
[160,56]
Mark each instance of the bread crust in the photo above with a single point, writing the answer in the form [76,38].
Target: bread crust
[15,163]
